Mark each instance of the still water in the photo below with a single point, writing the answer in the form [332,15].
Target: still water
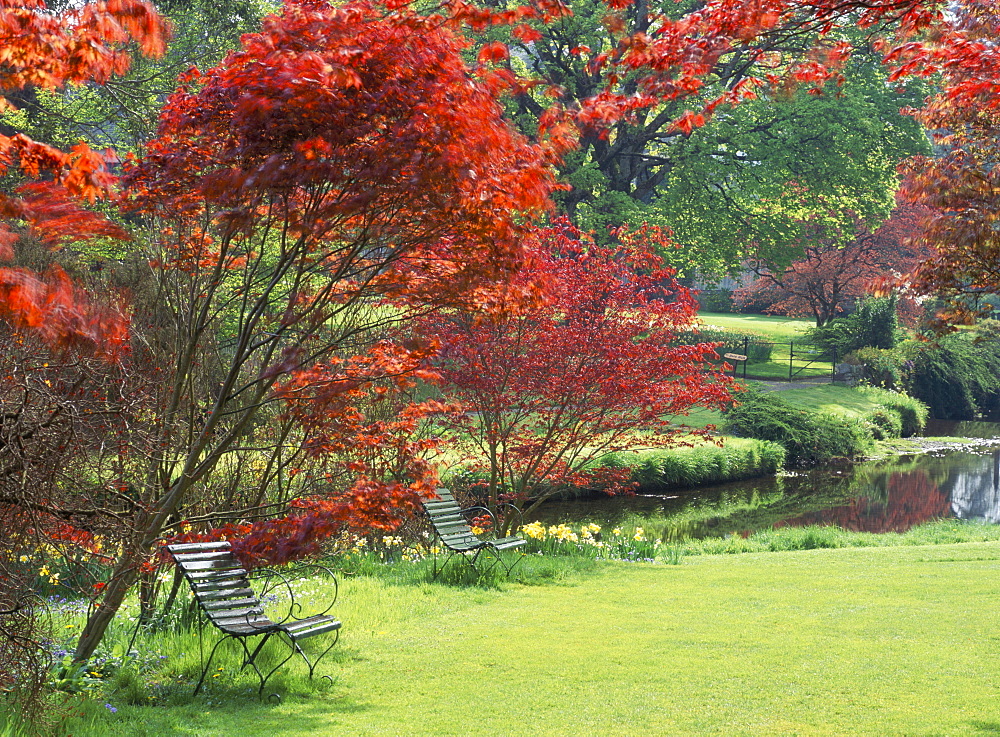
[890,495]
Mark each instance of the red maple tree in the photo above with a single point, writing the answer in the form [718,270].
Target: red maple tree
[831,278]
[959,183]
[592,370]
[340,172]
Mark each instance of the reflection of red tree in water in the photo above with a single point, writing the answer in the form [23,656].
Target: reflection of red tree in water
[911,500]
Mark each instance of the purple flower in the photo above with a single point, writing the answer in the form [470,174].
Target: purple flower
[110,708]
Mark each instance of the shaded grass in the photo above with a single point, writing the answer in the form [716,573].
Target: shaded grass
[869,641]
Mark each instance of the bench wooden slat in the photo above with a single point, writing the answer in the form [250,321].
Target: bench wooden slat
[310,627]
[215,575]
[209,565]
[237,591]
[210,555]
[453,529]
[198,547]
[220,604]
[221,587]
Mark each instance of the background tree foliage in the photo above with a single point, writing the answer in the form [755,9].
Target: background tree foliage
[731,180]
[123,112]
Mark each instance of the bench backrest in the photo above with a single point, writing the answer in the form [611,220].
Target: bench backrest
[449,521]
[219,583]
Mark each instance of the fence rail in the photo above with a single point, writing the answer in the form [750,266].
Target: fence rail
[773,360]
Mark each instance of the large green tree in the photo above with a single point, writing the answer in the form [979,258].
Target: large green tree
[762,182]
[732,180]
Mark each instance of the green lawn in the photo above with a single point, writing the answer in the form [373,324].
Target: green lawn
[835,399]
[779,329]
[870,641]
[782,331]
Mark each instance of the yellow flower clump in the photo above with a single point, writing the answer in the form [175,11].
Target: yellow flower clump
[563,533]
[535,530]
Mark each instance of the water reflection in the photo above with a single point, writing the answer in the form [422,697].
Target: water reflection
[975,493]
[893,503]
[878,496]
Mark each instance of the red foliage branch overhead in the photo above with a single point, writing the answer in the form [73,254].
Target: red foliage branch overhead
[961,182]
[749,46]
[371,133]
[343,157]
[85,42]
[357,428]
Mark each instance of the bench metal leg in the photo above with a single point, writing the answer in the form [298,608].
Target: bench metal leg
[204,671]
[311,664]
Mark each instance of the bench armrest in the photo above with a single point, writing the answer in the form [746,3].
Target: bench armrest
[275,579]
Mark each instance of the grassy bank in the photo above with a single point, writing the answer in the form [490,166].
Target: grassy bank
[740,458]
[707,463]
[863,641]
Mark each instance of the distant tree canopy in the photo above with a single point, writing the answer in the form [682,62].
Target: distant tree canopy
[791,157]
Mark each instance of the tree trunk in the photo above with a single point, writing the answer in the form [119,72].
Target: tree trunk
[121,581]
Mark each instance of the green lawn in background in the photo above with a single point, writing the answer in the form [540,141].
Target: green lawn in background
[782,331]
[836,399]
[778,329]
[871,641]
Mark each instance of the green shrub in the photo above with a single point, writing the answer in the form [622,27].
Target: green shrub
[873,325]
[959,377]
[912,412]
[807,437]
[710,464]
[886,368]
[715,300]
[885,423]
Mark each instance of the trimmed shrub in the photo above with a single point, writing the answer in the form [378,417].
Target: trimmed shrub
[808,438]
[885,423]
[912,412]
[709,464]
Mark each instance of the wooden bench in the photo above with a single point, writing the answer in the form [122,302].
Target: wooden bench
[451,527]
[221,586]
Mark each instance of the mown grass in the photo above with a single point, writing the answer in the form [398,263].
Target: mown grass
[832,399]
[781,331]
[778,329]
[859,641]
[836,399]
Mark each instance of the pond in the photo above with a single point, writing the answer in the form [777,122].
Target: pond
[890,495]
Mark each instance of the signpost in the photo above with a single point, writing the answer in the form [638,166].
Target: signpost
[736,358]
